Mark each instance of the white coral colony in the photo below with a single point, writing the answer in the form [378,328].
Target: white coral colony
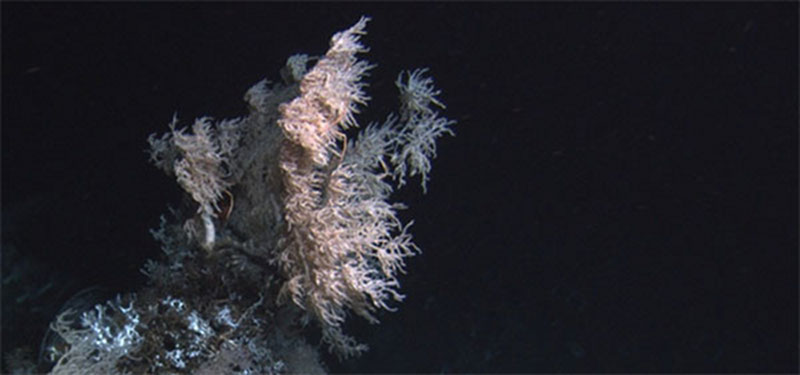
[311,236]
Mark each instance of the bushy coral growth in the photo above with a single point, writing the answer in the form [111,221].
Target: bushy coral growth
[290,222]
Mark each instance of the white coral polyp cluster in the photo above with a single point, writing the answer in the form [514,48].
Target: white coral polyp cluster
[345,244]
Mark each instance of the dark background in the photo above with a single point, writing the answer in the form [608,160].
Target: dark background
[621,195]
